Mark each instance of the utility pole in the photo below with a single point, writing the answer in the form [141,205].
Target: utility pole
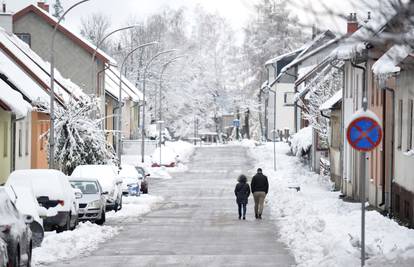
[238,127]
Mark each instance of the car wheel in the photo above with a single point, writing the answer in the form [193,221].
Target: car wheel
[102,220]
[120,204]
[67,225]
[145,191]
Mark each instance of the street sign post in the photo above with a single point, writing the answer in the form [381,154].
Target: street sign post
[364,134]
[236,123]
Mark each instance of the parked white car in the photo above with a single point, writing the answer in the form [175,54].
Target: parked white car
[53,192]
[109,180]
[131,180]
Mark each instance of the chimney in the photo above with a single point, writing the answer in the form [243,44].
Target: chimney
[44,6]
[352,24]
[6,19]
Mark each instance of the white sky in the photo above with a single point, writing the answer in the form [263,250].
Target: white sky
[236,11]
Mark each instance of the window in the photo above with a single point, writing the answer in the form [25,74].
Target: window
[25,37]
[26,142]
[410,125]
[400,120]
[20,142]
[6,139]
[288,98]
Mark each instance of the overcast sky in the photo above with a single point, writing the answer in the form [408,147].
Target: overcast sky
[236,11]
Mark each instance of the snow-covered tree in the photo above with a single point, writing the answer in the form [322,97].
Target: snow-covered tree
[79,138]
[58,9]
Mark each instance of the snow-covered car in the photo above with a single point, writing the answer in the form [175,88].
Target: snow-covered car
[169,157]
[53,192]
[144,182]
[4,258]
[131,180]
[108,179]
[15,231]
[27,204]
[92,204]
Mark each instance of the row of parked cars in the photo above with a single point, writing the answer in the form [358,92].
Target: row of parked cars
[34,201]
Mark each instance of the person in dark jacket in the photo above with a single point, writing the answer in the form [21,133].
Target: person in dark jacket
[242,192]
[260,188]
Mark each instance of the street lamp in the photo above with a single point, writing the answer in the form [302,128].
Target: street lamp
[118,143]
[164,67]
[143,96]
[52,86]
[93,66]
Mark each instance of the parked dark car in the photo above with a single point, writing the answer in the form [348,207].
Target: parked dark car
[15,231]
[143,178]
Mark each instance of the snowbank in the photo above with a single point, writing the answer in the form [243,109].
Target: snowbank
[83,240]
[135,206]
[320,228]
[302,141]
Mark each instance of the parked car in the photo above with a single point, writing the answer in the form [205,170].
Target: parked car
[15,231]
[4,258]
[108,179]
[92,204]
[53,192]
[131,180]
[27,204]
[168,158]
[144,182]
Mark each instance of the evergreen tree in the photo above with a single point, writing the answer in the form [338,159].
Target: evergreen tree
[58,9]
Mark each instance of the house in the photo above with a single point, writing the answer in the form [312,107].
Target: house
[283,91]
[35,25]
[394,71]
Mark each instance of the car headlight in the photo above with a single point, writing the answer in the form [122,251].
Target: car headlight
[94,204]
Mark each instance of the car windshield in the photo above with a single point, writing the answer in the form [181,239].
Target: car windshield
[87,187]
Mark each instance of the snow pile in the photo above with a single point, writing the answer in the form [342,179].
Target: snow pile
[387,64]
[135,206]
[83,240]
[320,228]
[14,100]
[302,141]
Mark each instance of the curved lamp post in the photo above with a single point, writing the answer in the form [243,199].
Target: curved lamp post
[164,67]
[52,87]
[144,103]
[118,143]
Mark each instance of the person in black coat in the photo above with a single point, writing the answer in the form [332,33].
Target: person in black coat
[260,188]
[242,192]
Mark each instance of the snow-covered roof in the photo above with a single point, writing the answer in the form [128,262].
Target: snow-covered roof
[27,65]
[112,85]
[14,100]
[331,101]
[278,58]
[77,38]
[388,62]
[305,70]
[355,43]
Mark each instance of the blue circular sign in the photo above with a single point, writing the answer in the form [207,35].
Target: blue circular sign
[364,134]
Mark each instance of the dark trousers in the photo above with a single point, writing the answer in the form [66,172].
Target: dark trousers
[242,206]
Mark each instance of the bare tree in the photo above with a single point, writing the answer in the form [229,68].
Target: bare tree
[94,29]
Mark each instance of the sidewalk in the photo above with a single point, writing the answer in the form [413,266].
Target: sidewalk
[321,229]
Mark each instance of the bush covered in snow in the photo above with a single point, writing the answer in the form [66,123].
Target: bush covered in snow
[79,139]
[302,141]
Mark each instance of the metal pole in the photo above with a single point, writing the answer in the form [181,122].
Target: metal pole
[144,103]
[362,192]
[119,136]
[52,88]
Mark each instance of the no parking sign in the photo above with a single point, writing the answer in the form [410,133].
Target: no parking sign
[364,131]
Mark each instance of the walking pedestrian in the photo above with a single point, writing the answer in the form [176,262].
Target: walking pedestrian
[242,192]
[260,188]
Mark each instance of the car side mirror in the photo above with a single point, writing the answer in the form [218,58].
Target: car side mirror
[146,175]
[105,193]
[28,219]
[78,193]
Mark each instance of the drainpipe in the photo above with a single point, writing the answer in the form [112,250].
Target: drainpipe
[392,91]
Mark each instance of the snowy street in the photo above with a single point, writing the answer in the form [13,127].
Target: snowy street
[196,224]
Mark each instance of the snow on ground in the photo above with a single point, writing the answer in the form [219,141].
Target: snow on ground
[135,206]
[87,236]
[320,228]
[81,241]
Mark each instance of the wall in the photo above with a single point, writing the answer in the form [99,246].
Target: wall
[40,125]
[74,62]
[403,189]
[335,147]
[284,114]
[23,143]
[5,147]
[109,121]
